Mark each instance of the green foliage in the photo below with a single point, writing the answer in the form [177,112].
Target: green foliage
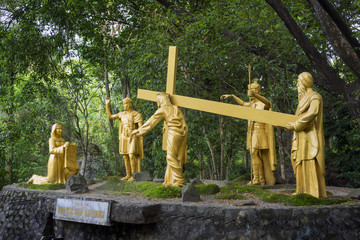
[342,135]
[207,189]
[52,186]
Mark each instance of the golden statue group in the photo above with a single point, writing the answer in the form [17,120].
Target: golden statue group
[307,152]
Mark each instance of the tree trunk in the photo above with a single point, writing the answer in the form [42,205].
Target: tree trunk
[8,170]
[222,148]
[107,88]
[335,36]
[9,157]
[282,154]
[326,78]
[86,149]
[247,156]
[213,158]
[329,79]
[201,157]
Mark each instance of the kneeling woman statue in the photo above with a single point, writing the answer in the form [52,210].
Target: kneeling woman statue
[58,170]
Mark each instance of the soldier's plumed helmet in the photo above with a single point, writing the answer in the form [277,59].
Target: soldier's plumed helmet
[127,100]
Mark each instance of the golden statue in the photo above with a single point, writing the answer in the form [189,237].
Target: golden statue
[131,147]
[308,144]
[260,139]
[56,164]
[62,161]
[60,168]
[174,139]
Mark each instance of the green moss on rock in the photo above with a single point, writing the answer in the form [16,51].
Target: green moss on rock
[207,189]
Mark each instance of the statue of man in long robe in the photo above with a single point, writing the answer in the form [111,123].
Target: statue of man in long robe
[175,138]
[308,144]
[131,147]
[260,139]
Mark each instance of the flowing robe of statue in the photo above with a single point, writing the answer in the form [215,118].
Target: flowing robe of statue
[176,140]
[307,152]
[56,163]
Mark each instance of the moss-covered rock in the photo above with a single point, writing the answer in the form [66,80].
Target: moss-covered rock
[207,189]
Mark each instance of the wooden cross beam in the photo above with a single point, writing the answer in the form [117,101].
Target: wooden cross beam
[226,109]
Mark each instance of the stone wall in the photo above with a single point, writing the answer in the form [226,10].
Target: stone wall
[27,214]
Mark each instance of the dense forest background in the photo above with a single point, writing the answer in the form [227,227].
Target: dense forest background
[60,59]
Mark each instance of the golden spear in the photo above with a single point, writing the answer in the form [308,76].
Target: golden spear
[251,166]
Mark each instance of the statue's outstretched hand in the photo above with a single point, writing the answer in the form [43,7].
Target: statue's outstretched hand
[107,101]
[66,144]
[290,126]
[135,132]
[225,96]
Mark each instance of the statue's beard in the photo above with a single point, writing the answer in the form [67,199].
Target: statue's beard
[301,92]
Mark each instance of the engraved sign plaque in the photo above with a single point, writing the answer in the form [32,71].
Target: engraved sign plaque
[93,212]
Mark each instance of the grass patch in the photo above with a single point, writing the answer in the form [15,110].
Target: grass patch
[236,192]
[301,199]
[207,189]
[242,180]
[148,189]
[51,186]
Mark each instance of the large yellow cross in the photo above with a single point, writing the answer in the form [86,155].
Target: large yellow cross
[226,109]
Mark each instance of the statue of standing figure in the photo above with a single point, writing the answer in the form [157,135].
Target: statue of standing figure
[174,140]
[308,144]
[131,147]
[260,139]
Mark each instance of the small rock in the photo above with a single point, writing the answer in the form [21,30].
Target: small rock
[76,184]
[354,193]
[190,193]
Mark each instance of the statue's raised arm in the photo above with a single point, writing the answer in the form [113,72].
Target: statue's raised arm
[108,111]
